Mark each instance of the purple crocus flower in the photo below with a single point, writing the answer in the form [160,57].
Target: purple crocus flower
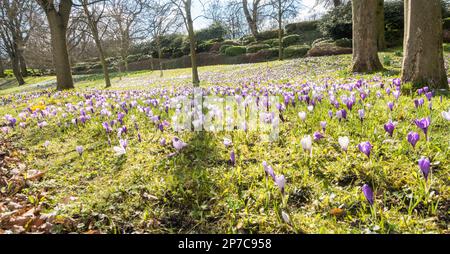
[424,165]
[323,124]
[123,143]
[317,136]
[349,104]
[361,114]
[429,95]
[389,128]
[106,126]
[390,105]
[413,137]
[330,113]
[396,94]
[365,147]
[232,158]
[368,193]
[162,142]
[178,144]
[397,82]
[281,182]
[79,150]
[419,91]
[268,170]
[423,125]
[120,117]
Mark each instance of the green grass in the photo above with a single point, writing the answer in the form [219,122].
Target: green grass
[197,191]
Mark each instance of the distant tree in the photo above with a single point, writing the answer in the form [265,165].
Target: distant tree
[162,19]
[58,19]
[423,61]
[125,23]
[331,3]
[94,12]
[184,10]
[280,11]
[16,20]
[253,14]
[365,57]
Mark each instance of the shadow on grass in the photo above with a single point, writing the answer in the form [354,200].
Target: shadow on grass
[190,195]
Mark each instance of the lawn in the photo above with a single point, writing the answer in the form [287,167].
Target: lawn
[90,181]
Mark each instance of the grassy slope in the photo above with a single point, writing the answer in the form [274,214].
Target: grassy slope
[198,191]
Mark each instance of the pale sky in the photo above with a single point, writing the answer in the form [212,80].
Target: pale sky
[304,13]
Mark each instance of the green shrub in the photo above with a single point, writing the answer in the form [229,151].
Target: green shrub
[215,31]
[272,42]
[337,23]
[321,41]
[265,35]
[291,40]
[257,47]
[247,39]
[271,52]
[230,42]
[387,61]
[223,48]
[295,51]
[301,27]
[133,58]
[205,46]
[344,42]
[235,51]
[398,53]
[446,24]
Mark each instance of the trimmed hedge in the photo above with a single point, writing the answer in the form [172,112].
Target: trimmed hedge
[265,35]
[291,40]
[272,42]
[235,51]
[247,39]
[295,51]
[446,24]
[301,27]
[257,47]
[344,42]
[271,52]
[224,47]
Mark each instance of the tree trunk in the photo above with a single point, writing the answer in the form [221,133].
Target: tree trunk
[192,42]
[423,61]
[94,30]
[252,22]
[280,33]
[22,64]
[16,70]
[158,43]
[58,21]
[2,69]
[98,43]
[381,41]
[365,57]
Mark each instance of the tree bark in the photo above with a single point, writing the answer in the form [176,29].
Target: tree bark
[16,70]
[58,21]
[94,30]
[251,18]
[381,41]
[22,64]
[192,42]
[365,57]
[280,31]
[423,61]
[2,69]
[158,44]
